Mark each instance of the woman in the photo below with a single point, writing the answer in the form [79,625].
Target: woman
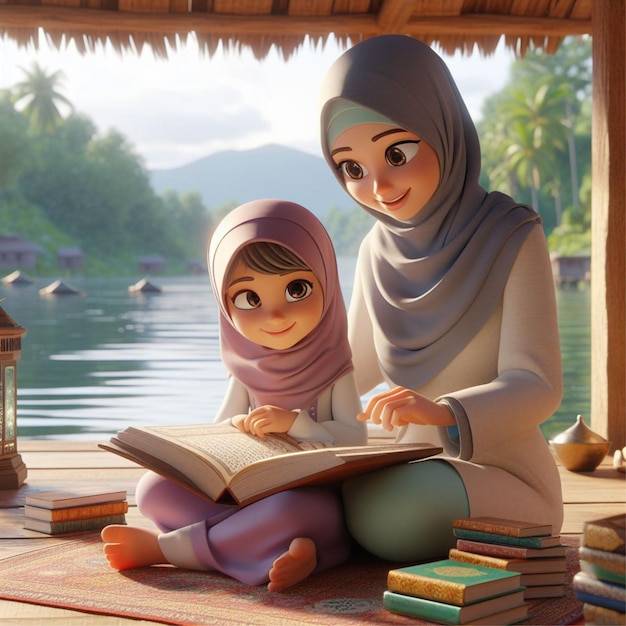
[453,307]
[283,337]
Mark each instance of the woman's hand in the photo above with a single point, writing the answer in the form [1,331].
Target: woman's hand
[400,406]
[265,419]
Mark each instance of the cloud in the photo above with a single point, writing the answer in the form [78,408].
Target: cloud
[163,115]
[181,109]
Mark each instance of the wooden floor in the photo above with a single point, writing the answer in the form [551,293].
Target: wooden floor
[61,465]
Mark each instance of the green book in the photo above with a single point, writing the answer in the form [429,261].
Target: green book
[506,609]
[526,542]
[610,561]
[452,582]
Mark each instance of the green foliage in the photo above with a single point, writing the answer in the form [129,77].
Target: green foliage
[15,152]
[30,222]
[62,184]
[536,137]
[39,95]
[347,229]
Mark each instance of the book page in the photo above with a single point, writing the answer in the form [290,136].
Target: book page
[234,451]
[228,448]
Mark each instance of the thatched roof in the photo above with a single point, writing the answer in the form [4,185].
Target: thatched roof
[454,25]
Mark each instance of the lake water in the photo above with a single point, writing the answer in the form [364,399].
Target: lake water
[96,363]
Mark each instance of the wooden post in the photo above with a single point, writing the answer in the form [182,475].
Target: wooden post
[608,209]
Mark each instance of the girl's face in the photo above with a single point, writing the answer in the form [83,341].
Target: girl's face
[387,169]
[274,310]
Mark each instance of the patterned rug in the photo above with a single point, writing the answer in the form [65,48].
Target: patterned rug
[76,576]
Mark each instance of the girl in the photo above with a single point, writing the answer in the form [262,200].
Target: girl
[284,342]
[453,307]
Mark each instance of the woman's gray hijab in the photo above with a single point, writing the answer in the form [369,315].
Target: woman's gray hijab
[431,283]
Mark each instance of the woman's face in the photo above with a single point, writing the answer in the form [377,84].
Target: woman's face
[274,310]
[387,169]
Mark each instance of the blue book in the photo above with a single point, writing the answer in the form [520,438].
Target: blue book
[599,592]
[547,541]
[452,614]
[607,603]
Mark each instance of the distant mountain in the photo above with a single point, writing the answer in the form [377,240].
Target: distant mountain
[271,171]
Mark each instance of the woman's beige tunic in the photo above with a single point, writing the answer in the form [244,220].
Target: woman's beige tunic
[501,387]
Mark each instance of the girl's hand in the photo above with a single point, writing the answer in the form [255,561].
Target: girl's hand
[400,406]
[265,419]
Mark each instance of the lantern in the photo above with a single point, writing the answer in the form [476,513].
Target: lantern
[12,468]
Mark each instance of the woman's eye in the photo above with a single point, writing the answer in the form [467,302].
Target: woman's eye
[298,290]
[353,170]
[402,152]
[246,300]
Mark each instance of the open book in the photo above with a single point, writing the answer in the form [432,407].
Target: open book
[222,463]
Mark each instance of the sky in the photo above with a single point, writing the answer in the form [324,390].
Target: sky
[178,110]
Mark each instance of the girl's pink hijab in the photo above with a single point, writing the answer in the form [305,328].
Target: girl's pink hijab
[292,378]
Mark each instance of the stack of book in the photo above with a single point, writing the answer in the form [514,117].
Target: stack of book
[601,583]
[514,545]
[451,592]
[57,512]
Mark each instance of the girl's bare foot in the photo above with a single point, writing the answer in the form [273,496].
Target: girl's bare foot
[294,565]
[126,547]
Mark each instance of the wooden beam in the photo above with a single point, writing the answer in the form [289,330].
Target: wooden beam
[97,22]
[608,222]
[394,15]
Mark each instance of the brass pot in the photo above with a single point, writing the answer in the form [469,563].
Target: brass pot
[580,449]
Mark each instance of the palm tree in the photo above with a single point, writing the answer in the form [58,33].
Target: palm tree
[570,68]
[40,95]
[535,132]
[15,150]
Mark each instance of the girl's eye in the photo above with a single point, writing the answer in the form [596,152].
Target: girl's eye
[402,152]
[353,170]
[246,300]
[298,290]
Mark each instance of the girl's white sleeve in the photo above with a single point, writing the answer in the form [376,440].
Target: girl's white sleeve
[343,429]
[236,401]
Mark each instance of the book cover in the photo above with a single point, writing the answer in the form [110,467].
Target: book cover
[501,526]
[544,591]
[524,566]
[452,614]
[611,561]
[608,603]
[594,591]
[527,542]
[72,526]
[451,582]
[551,578]
[508,552]
[220,462]
[601,616]
[607,533]
[78,497]
[601,573]
[76,512]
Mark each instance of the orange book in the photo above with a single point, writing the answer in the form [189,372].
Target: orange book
[607,533]
[523,566]
[76,512]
